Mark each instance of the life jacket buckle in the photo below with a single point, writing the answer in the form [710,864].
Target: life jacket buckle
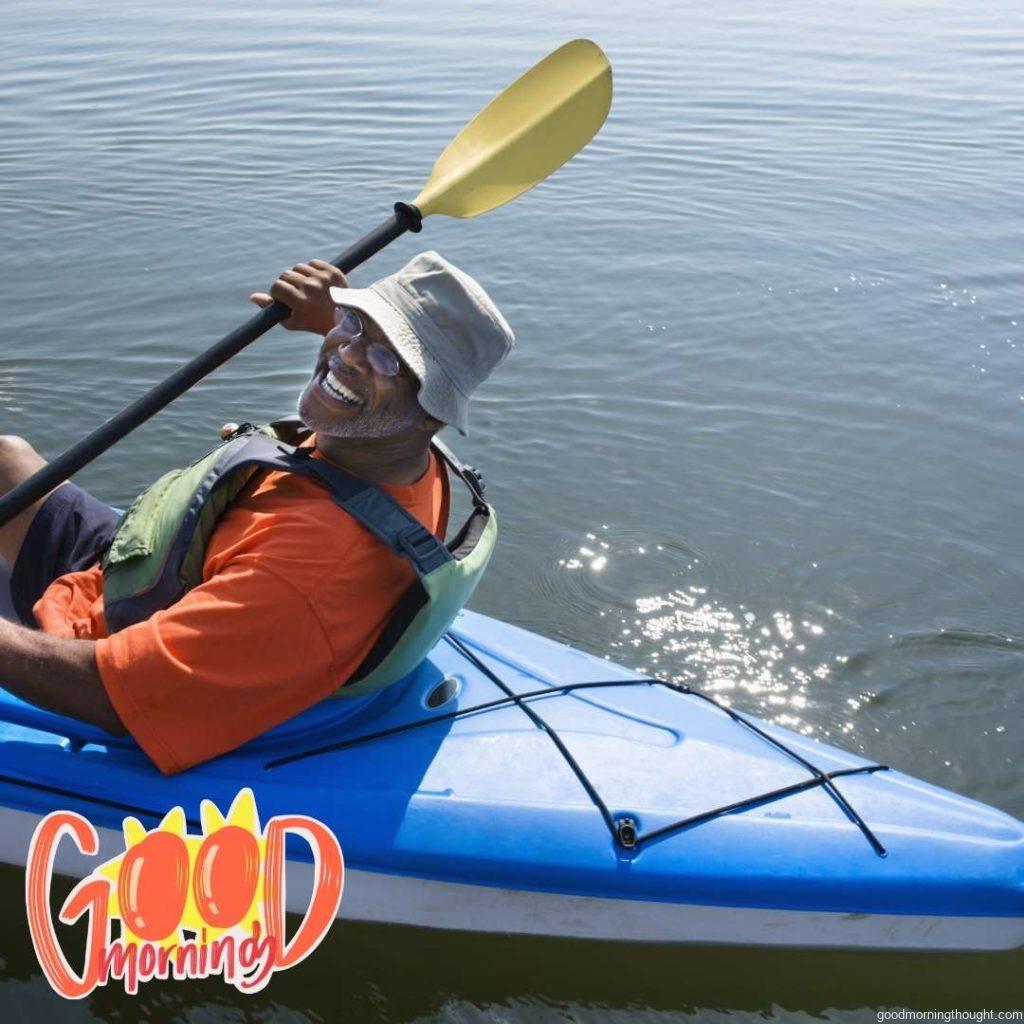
[421,547]
[232,430]
[477,479]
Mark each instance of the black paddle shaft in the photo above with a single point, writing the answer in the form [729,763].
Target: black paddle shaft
[405,218]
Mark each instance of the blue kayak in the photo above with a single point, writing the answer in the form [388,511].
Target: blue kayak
[514,784]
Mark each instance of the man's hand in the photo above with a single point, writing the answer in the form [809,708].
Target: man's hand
[305,290]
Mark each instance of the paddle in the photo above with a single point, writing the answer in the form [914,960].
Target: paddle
[524,134]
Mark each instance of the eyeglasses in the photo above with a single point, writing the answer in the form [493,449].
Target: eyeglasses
[348,327]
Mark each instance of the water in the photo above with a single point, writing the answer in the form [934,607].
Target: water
[762,429]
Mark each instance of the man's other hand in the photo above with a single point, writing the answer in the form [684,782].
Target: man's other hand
[305,290]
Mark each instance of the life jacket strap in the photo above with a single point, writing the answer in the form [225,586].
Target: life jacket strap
[370,506]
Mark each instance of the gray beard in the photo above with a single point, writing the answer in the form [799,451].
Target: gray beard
[377,423]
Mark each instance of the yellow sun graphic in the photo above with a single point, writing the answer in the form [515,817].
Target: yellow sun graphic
[227,855]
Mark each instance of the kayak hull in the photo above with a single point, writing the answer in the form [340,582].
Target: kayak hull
[429,903]
[480,823]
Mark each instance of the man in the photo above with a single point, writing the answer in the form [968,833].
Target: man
[294,591]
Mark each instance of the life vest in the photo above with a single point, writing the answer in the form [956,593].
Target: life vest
[157,551]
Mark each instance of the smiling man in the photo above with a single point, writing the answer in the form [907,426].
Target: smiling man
[295,591]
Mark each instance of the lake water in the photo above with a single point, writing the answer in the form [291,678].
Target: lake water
[762,430]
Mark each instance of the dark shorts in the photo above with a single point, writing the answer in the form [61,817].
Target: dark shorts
[68,534]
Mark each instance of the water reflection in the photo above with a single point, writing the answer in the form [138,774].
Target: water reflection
[768,661]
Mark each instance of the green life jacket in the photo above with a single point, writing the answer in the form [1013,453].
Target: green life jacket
[156,554]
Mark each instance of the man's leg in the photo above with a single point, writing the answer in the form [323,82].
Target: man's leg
[65,531]
[18,460]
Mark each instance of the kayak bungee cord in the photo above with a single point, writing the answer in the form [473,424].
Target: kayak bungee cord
[623,830]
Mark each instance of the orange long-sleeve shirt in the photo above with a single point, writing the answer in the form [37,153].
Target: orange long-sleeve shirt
[294,594]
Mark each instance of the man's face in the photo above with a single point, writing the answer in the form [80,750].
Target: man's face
[347,397]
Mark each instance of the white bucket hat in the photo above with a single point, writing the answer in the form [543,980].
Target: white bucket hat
[443,324]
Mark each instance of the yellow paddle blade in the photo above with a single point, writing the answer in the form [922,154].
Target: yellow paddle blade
[541,120]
